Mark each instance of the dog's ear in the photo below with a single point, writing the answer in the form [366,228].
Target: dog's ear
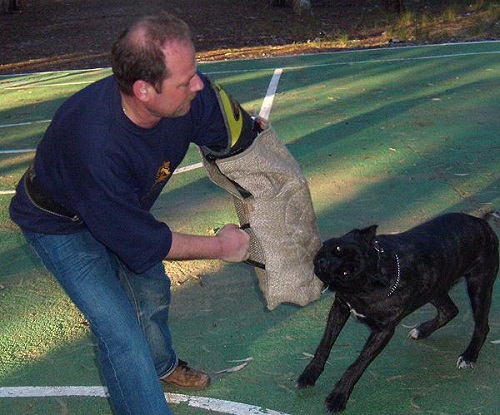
[368,234]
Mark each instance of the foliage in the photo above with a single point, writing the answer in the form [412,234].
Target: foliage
[455,21]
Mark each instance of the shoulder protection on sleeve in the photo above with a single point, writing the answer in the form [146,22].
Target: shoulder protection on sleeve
[241,128]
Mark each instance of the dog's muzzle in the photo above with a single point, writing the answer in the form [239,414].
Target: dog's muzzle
[321,266]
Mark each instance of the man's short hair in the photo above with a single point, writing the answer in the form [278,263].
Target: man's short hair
[137,53]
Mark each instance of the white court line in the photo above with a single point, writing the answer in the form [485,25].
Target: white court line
[19,124]
[188,168]
[210,404]
[339,52]
[32,86]
[24,150]
[265,109]
[177,171]
[270,59]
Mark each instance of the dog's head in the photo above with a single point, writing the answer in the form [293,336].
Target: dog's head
[346,263]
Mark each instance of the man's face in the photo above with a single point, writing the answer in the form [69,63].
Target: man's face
[180,88]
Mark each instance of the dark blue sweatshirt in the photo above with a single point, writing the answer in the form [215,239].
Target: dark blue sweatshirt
[98,164]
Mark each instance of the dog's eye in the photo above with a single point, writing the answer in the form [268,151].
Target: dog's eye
[338,249]
[345,273]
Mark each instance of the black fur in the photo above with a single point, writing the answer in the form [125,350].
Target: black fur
[381,279]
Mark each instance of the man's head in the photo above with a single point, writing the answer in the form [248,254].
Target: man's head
[154,61]
[138,54]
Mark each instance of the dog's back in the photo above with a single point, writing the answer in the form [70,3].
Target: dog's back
[451,227]
[456,239]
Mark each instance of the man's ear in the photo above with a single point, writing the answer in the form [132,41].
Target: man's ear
[142,90]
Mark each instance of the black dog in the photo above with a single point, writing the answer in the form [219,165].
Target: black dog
[381,279]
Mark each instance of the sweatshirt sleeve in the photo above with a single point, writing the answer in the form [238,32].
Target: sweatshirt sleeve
[209,128]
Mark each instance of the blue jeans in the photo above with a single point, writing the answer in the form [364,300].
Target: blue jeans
[127,312]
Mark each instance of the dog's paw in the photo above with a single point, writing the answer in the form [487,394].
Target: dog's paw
[306,379]
[336,402]
[463,363]
[414,334]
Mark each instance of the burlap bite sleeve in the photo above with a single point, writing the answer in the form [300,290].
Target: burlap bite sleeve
[273,202]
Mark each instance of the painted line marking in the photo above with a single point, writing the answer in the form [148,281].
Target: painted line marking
[356,51]
[19,124]
[18,151]
[209,404]
[48,85]
[343,52]
[188,168]
[265,110]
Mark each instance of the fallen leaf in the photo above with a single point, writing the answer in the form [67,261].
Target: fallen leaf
[248,359]
[412,403]
[233,369]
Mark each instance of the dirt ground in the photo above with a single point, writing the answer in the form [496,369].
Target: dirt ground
[70,34]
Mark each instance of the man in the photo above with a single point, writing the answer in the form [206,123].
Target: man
[84,205]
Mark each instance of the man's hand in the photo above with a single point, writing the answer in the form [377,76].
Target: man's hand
[235,243]
[231,244]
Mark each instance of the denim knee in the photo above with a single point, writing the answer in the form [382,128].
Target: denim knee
[149,293]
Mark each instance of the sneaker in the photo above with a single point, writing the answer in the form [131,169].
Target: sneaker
[186,377]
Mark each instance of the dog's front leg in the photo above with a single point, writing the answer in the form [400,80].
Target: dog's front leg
[337,400]
[339,313]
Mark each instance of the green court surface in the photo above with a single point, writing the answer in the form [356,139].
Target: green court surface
[389,136]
